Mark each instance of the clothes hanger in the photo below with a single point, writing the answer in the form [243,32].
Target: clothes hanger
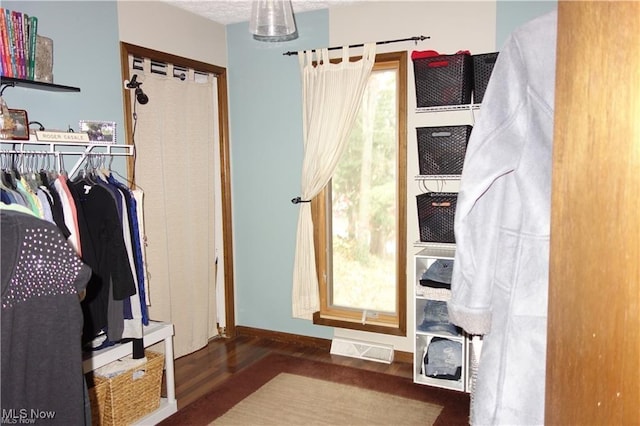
[101,170]
[38,166]
[61,170]
[45,170]
[11,173]
[95,174]
[112,172]
[3,167]
[15,170]
[30,176]
[84,175]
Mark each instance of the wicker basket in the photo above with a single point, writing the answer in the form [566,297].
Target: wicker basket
[98,399]
[482,68]
[134,393]
[443,79]
[436,214]
[441,150]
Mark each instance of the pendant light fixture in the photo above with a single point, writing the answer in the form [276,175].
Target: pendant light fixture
[273,21]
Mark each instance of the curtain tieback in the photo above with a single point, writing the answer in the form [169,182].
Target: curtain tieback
[299,200]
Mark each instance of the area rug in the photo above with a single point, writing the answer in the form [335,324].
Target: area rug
[289,399]
[286,390]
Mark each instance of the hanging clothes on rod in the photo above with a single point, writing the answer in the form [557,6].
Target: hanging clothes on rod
[104,250]
[116,225]
[102,220]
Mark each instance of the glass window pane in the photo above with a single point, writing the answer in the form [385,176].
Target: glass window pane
[364,200]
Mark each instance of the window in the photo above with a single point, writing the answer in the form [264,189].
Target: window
[360,217]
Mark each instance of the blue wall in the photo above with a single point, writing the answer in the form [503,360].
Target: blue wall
[265,126]
[512,14]
[266,160]
[86,54]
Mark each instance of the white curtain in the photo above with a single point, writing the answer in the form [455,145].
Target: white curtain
[175,139]
[332,94]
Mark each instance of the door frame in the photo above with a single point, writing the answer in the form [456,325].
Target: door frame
[127,49]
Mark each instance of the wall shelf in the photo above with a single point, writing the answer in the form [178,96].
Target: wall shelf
[444,108]
[427,301]
[423,337]
[437,177]
[440,250]
[60,149]
[154,333]
[32,84]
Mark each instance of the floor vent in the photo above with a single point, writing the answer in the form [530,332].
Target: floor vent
[363,350]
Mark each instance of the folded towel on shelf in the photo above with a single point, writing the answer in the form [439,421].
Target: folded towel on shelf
[443,359]
[438,275]
[436,319]
[120,366]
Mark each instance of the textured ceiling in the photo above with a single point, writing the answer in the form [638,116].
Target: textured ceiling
[233,11]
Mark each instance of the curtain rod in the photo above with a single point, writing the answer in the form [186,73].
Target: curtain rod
[415,38]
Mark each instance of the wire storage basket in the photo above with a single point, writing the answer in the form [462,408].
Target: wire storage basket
[441,149]
[436,214]
[442,79]
[134,393]
[482,69]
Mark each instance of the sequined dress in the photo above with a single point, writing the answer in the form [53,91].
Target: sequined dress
[42,321]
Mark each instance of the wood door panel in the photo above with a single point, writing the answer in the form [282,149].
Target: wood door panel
[593,353]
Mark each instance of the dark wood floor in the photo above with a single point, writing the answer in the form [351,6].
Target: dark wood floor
[199,372]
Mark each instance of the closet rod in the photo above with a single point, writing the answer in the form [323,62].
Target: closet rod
[76,166]
[59,154]
[84,154]
[53,144]
[416,39]
[88,148]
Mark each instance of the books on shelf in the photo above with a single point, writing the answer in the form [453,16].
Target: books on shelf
[5,51]
[32,33]
[18,34]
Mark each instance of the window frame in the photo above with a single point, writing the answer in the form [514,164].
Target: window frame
[353,318]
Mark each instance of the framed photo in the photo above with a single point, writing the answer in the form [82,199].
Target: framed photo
[99,131]
[19,124]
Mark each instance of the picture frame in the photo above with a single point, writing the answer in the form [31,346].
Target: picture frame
[20,127]
[99,131]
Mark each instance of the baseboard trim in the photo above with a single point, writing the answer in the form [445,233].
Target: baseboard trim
[404,357]
[315,342]
[279,336]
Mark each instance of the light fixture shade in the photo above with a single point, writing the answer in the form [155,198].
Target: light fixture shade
[272,20]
